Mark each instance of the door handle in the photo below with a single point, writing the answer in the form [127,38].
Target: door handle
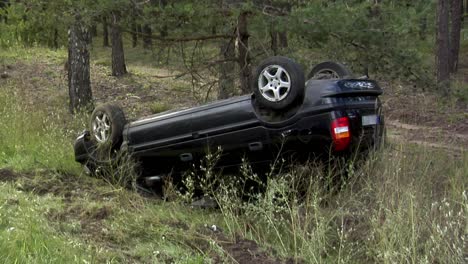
[186,157]
[255,146]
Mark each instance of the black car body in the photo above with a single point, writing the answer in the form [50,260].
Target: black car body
[334,117]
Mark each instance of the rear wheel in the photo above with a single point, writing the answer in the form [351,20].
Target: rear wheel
[278,82]
[329,70]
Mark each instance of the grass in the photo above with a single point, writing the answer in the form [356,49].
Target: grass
[405,204]
[158,107]
[25,235]
[96,224]
[33,138]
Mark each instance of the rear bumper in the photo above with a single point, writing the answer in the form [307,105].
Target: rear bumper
[366,138]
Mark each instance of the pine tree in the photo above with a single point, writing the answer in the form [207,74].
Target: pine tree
[118,56]
[79,84]
[442,55]
[456,10]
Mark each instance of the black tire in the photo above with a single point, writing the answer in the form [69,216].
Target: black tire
[329,70]
[113,119]
[291,72]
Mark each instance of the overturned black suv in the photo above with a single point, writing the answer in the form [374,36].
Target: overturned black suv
[332,114]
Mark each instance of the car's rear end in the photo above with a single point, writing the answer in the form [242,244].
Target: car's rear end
[356,119]
[336,117]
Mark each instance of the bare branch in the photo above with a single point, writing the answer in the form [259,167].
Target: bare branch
[273,11]
[182,39]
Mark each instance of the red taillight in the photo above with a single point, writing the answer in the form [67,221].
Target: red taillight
[341,133]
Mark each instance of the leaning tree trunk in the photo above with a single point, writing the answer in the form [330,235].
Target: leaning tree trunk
[105,32]
[226,69]
[244,56]
[455,32]
[118,58]
[79,84]
[442,56]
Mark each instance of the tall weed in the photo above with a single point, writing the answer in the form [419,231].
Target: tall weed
[404,204]
[31,137]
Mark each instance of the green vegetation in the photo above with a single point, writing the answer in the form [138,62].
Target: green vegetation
[32,137]
[26,236]
[158,107]
[407,203]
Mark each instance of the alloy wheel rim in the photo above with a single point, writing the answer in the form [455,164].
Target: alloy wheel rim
[274,83]
[327,74]
[102,127]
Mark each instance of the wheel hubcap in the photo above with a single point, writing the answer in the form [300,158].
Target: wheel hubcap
[102,127]
[274,83]
[326,74]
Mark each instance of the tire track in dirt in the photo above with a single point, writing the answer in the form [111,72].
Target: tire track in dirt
[433,137]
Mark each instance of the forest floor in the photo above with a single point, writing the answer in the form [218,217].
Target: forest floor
[122,226]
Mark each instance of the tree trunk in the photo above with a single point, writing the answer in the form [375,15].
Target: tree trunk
[147,33]
[226,69]
[423,28]
[55,40]
[455,32]
[134,33]
[442,56]
[283,35]
[147,30]
[93,30]
[164,31]
[274,41]
[133,24]
[79,84]
[118,58]
[105,32]
[244,56]
[283,39]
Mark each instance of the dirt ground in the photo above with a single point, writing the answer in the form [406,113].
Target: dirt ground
[426,119]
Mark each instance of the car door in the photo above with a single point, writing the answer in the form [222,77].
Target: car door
[233,126]
[162,141]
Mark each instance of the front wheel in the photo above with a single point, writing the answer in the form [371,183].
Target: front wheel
[107,124]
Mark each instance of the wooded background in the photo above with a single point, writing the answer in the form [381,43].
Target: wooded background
[218,41]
